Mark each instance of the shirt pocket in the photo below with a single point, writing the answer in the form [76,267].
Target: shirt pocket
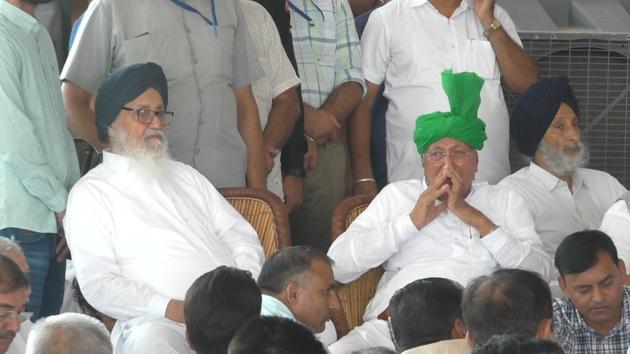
[155,46]
[478,57]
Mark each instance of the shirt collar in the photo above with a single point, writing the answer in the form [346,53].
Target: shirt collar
[115,161]
[550,182]
[465,4]
[274,307]
[19,17]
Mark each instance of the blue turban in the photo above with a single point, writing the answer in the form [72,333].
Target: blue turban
[122,86]
[535,109]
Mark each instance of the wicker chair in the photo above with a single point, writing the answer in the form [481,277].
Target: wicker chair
[265,212]
[355,295]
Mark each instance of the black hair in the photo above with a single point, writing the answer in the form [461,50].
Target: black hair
[11,276]
[507,301]
[287,265]
[579,251]
[424,312]
[274,335]
[216,305]
[518,344]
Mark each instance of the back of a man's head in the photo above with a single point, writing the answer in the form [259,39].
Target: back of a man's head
[507,301]
[287,265]
[274,335]
[580,250]
[68,333]
[424,312]
[216,305]
[518,344]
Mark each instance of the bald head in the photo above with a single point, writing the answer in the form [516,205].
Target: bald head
[11,249]
[69,333]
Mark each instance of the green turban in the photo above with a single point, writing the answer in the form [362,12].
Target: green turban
[461,122]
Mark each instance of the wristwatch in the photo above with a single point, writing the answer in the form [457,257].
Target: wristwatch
[494,26]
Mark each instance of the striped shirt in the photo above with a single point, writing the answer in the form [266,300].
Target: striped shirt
[326,47]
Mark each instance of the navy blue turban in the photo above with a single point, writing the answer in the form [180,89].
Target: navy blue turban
[122,86]
[535,109]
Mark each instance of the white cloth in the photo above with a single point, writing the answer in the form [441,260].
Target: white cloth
[407,44]
[447,247]
[138,241]
[451,346]
[150,335]
[616,224]
[279,73]
[373,333]
[557,211]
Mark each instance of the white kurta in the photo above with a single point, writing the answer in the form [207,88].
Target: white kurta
[407,44]
[139,241]
[616,224]
[447,247]
[559,212]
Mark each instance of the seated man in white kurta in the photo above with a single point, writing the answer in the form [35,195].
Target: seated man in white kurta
[142,227]
[444,225]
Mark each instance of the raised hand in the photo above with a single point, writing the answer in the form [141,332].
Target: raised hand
[485,11]
[426,209]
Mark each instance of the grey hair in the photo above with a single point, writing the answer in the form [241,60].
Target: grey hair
[68,333]
[376,350]
[8,246]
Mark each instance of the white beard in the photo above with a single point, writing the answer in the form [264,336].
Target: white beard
[147,159]
[561,163]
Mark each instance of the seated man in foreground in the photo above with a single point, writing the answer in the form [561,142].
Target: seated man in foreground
[563,196]
[444,225]
[594,315]
[298,283]
[142,227]
[426,317]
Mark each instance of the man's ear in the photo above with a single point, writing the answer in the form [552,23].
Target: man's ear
[545,330]
[622,267]
[93,102]
[470,340]
[563,284]
[292,293]
[459,329]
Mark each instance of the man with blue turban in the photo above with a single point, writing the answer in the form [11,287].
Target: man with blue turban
[444,225]
[142,227]
[564,197]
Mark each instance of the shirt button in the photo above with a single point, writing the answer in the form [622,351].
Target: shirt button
[197,151]
[200,123]
[201,91]
[195,61]
[187,29]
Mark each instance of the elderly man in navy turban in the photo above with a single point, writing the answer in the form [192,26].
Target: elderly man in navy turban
[142,227]
[563,196]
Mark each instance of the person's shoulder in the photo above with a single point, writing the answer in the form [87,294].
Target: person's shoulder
[522,176]
[599,175]
[92,181]
[563,310]
[404,186]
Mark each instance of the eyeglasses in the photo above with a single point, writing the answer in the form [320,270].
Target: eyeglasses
[457,154]
[145,115]
[21,317]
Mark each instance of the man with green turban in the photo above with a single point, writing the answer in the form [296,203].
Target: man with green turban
[444,225]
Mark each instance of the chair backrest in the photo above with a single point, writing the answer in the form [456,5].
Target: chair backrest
[355,295]
[265,212]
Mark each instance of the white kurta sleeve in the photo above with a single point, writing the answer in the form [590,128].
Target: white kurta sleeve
[373,237]
[89,227]
[375,46]
[515,244]
[232,229]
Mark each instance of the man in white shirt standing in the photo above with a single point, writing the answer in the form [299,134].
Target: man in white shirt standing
[142,227]
[407,44]
[564,197]
[443,225]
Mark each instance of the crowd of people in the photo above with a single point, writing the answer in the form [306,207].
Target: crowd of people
[314,101]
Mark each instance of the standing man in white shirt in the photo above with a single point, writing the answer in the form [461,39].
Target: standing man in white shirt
[564,197]
[407,44]
[444,225]
[142,227]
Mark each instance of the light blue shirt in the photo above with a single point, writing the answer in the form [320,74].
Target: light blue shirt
[38,161]
[273,307]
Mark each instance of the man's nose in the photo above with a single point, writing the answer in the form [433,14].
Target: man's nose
[334,303]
